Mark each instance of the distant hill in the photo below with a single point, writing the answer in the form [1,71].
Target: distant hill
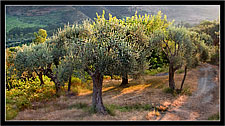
[23,21]
[190,14]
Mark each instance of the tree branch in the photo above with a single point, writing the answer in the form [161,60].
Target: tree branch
[166,52]
[185,73]
[168,47]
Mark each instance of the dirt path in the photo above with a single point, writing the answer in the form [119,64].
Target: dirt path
[203,103]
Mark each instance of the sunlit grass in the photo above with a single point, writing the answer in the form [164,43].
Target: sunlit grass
[153,72]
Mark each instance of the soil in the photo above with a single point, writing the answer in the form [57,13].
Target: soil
[202,81]
[203,103]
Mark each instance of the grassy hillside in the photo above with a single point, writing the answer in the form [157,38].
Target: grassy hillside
[23,21]
[13,22]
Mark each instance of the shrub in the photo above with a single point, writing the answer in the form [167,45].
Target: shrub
[10,112]
[204,56]
[75,80]
[116,77]
[203,51]
[195,62]
[214,59]
[153,72]
[24,93]
[107,77]
[214,55]
[22,102]
[75,90]
[170,91]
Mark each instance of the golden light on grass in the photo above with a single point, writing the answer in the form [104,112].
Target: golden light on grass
[132,89]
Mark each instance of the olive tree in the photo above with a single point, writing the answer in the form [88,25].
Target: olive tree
[99,49]
[209,30]
[139,31]
[32,58]
[37,58]
[178,47]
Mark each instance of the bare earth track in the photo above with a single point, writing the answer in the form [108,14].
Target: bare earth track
[203,103]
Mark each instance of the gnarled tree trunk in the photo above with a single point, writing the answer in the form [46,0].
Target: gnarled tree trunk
[124,80]
[97,102]
[171,77]
[41,78]
[48,72]
[40,75]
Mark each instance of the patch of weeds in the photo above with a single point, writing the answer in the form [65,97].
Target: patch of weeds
[11,112]
[153,72]
[150,72]
[186,91]
[110,110]
[214,117]
[91,110]
[170,91]
[147,107]
[140,107]
[180,71]
[79,106]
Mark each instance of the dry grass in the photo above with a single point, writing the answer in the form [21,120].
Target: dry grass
[148,91]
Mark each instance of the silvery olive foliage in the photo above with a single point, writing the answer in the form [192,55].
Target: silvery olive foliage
[140,31]
[111,46]
[200,46]
[32,58]
[177,45]
[99,46]
[209,31]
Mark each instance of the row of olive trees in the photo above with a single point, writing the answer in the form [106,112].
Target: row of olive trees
[107,46]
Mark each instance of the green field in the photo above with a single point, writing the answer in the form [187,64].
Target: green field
[13,22]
